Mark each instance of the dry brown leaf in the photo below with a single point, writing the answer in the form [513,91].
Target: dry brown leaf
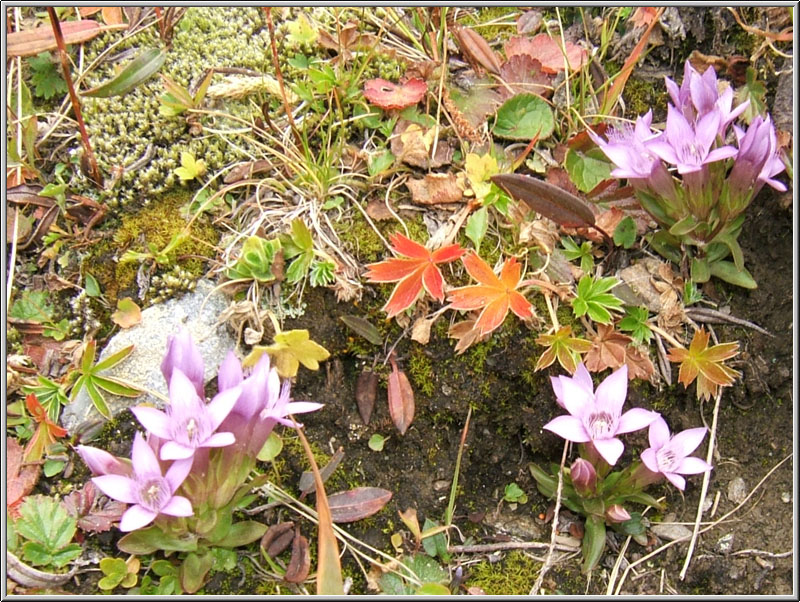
[128,313]
[466,334]
[476,49]
[412,144]
[366,392]
[529,21]
[608,349]
[437,188]
[20,478]
[401,399]
[42,39]
[541,232]
[639,363]
[523,73]
[377,210]
[112,15]
[300,562]
[421,331]
[547,51]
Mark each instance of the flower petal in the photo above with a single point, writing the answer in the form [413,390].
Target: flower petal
[155,421]
[557,389]
[609,449]
[101,462]
[577,400]
[569,428]
[143,457]
[685,442]
[221,405]
[178,506]
[649,459]
[220,440]
[183,354]
[172,450]
[301,407]
[177,473]
[658,434]
[635,419]
[136,517]
[583,378]
[183,397]
[610,394]
[117,487]
[692,465]
[230,372]
[676,480]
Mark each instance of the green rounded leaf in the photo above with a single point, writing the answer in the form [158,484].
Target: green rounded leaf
[524,117]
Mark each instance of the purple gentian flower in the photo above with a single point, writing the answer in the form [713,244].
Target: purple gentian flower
[627,148]
[690,147]
[682,97]
[583,477]
[263,403]
[669,456]
[150,492]
[582,378]
[189,423]
[183,354]
[598,418]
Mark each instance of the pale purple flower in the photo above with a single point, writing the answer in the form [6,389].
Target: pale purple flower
[758,159]
[151,492]
[189,423]
[689,147]
[264,401]
[681,97]
[627,148]
[669,455]
[699,95]
[598,418]
[183,354]
[101,462]
[582,378]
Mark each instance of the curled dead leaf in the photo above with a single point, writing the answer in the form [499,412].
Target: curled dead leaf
[421,331]
[300,563]
[476,49]
[355,504]
[401,399]
[436,188]
[366,392]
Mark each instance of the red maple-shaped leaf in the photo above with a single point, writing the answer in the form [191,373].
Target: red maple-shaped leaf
[414,270]
[495,296]
[547,51]
[387,95]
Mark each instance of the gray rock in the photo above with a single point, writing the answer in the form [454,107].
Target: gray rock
[197,311]
[737,490]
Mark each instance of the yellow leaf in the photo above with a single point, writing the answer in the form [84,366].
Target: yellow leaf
[190,168]
[290,349]
[301,31]
[128,313]
[479,169]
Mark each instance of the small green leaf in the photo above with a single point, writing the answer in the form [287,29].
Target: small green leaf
[376,442]
[635,322]
[432,589]
[727,271]
[700,270]
[625,232]
[594,542]
[587,170]
[380,163]
[524,117]
[97,399]
[364,328]
[477,224]
[190,168]
[138,70]
[113,359]
[272,447]
[32,306]
[92,286]
[52,467]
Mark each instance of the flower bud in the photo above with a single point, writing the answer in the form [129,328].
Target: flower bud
[184,355]
[584,477]
[617,514]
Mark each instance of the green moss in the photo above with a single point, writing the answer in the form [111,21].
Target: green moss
[513,576]
[640,96]
[420,369]
[501,14]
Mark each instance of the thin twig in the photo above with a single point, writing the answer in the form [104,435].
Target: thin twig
[279,75]
[706,481]
[95,174]
[712,316]
[502,546]
[548,561]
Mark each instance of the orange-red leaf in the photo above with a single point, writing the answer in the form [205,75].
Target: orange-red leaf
[414,270]
[547,51]
[494,295]
[704,363]
[42,39]
[387,95]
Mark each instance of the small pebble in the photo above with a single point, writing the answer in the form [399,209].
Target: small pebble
[737,490]
[724,543]
[671,532]
[786,497]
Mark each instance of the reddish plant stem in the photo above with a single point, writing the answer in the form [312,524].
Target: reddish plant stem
[94,170]
[286,108]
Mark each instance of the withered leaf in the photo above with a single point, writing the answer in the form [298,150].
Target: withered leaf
[466,334]
[475,49]
[550,201]
[639,363]
[366,392]
[377,210]
[436,188]
[42,39]
[412,144]
[421,330]
[547,50]
[306,483]
[95,512]
[277,538]
[523,73]
[363,327]
[529,21]
[300,563]
[608,349]
[357,503]
[21,479]
[246,170]
[401,399]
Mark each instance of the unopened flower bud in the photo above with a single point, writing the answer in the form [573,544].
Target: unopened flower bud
[617,514]
[584,477]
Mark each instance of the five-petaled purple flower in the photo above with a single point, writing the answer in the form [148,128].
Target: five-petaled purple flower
[687,146]
[598,417]
[627,147]
[581,378]
[189,423]
[669,456]
[151,492]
